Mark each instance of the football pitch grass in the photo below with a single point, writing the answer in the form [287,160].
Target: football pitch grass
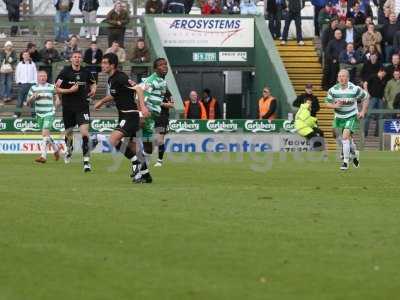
[205,229]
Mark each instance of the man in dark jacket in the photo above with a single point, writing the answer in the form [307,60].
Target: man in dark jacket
[92,58]
[194,108]
[308,95]
[376,88]
[62,19]
[294,8]
[318,6]
[48,55]
[389,31]
[12,7]
[141,54]
[154,7]
[351,35]
[395,65]
[117,19]
[332,52]
[351,59]
[274,13]
[329,33]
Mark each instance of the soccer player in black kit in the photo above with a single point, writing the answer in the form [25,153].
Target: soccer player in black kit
[161,126]
[76,85]
[128,114]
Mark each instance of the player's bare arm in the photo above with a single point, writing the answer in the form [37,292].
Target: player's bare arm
[141,104]
[93,89]
[103,101]
[364,109]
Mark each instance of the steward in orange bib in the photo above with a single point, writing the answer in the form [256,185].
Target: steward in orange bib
[211,105]
[267,106]
[194,109]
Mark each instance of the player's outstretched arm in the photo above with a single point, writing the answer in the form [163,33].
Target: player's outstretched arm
[103,101]
[364,108]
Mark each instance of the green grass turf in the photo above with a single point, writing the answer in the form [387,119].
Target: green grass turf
[204,230]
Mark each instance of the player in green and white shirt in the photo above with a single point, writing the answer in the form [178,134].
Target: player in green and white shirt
[155,87]
[43,95]
[343,98]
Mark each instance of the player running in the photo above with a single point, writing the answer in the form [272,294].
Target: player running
[155,88]
[45,99]
[161,125]
[76,85]
[128,113]
[343,98]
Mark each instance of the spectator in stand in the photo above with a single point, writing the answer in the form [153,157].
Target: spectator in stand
[341,10]
[25,77]
[388,34]
[175,7]
[351,60]
[318,6]
[117,50]
[332,52]
[376,88]
[396,105]
[396,42]
[308,96]
[92,58]
[329,33]
[12,7]
[211,7]
[372,51]
[395,65]
[325,16]
[267,105]
[232,7]
[294,14]
[194,109]
[117,19]
[89,12]
[248,7]
[154,7]
[372,37]
[70,47]
[188,6]
[392,6]
[351,35]
[62,19]
[141,54]
[371,66]
[48,55]
[211,105]
[274,13]
[381,15]
[392,89]
[8,61]
[33,53]
[356,14]
[368,21]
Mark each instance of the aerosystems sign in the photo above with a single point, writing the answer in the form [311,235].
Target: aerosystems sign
[206,32]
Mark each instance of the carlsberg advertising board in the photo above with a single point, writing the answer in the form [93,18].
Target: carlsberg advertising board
[175,126]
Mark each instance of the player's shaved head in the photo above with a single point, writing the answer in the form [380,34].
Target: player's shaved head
[343,77]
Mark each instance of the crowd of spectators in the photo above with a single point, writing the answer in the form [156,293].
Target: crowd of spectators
[22,68]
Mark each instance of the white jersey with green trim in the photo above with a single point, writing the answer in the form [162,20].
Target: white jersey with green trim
[44,104]
[155,88]
[349,97]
